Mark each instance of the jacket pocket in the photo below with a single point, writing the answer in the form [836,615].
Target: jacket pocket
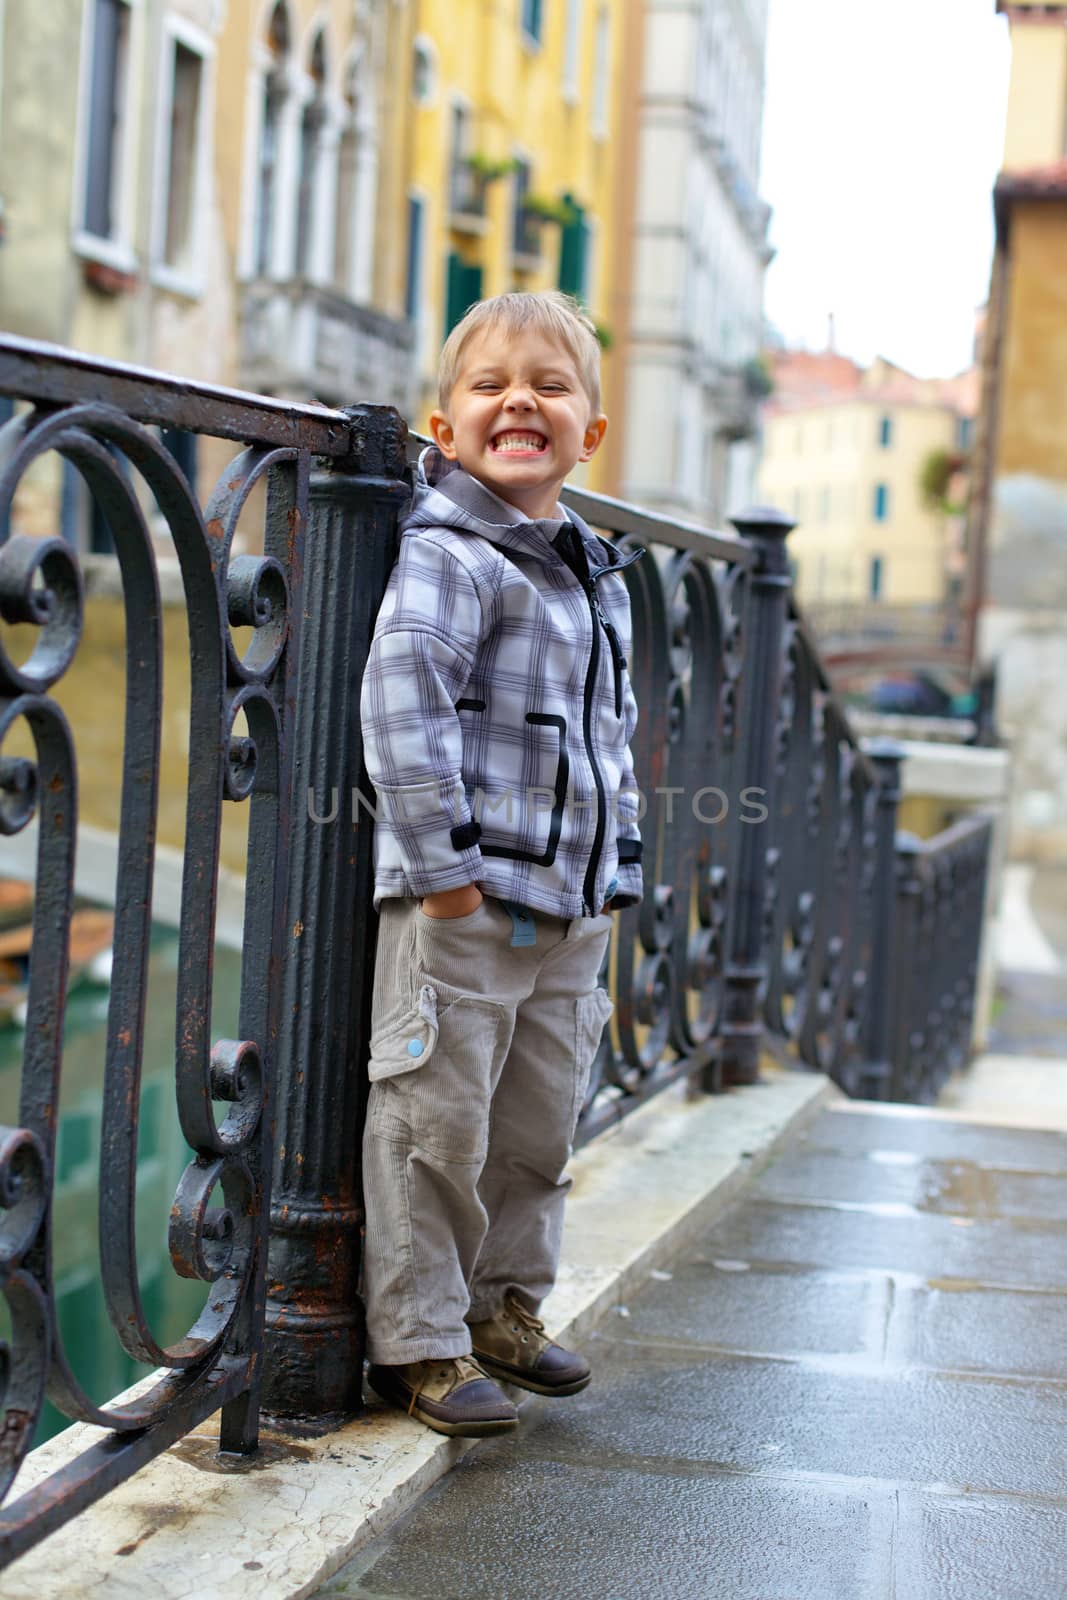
[407,1044]
[591,1014]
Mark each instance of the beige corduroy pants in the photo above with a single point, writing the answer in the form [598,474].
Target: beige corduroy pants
[480,1056]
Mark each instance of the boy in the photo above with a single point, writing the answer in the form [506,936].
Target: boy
[497,714]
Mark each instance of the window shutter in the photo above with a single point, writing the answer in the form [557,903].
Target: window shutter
[464,288]
[574,252]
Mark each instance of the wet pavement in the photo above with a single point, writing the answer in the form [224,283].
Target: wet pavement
[854,1386]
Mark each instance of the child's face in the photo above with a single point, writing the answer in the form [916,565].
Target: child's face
[518,418]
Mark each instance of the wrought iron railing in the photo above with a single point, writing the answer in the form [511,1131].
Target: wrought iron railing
[775,899]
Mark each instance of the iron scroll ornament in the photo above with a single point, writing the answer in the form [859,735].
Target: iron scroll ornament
[222,1245]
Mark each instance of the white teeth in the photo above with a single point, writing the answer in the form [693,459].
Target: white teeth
[518,441]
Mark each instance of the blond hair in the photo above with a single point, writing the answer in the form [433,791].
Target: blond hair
[558,316]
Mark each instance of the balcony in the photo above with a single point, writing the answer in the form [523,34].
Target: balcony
[300,340]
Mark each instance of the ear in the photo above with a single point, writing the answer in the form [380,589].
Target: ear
[593,435]
[443,434]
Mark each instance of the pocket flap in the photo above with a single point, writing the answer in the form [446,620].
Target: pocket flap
[594,1011]
[408,1043]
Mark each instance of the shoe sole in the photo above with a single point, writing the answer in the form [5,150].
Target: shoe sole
[474,1429]
[498,1369]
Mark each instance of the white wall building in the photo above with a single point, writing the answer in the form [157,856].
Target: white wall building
[700,250]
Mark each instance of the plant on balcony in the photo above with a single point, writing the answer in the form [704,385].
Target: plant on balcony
[938,469]
[487,171]
[757,378]
[546,209]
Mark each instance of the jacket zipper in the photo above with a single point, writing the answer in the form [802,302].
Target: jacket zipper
[618,660]
[599,620]
[596,616]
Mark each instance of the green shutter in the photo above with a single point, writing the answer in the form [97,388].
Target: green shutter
[464,288]
[573,251]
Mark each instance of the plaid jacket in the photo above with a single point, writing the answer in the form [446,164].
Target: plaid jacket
[496,706]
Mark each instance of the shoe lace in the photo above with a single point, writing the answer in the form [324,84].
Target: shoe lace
[526,1319]
[466,1368]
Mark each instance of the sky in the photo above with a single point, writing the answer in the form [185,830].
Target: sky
[883,133]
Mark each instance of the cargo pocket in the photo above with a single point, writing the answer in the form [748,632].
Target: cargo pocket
[591,1017]
[394,1055]
[408,1043]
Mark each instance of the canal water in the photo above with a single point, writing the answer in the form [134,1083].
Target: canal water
[171,1303]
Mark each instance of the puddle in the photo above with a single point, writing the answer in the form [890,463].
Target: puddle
[203,1453]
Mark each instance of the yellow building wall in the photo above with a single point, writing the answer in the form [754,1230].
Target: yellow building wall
[516,96]
[1033,396]
[1037,96]
[821,465]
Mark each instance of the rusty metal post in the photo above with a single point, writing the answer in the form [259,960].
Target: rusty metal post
[314,1332]
[877,1069]
[765,529]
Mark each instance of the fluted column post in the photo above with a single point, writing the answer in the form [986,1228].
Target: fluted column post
[765,529]
[314,1333]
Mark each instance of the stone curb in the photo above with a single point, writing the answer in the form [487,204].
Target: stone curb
[188,1528]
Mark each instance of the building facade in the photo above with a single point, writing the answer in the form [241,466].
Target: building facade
[1017,519]
[513,165]
[855,456]
[692,244]
[205,187]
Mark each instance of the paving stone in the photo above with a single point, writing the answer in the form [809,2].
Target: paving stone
[904,1178]
[838,1415]
[773,1313]
[980,1330]
[503,1527]
[996,1251]
[980,1548]
[938,1139]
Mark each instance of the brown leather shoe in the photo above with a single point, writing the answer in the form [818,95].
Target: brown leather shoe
[514,1346]
[451,1394]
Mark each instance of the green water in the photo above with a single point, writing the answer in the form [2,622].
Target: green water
[171,1304]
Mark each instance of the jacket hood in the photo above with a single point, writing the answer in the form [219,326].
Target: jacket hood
[448,497]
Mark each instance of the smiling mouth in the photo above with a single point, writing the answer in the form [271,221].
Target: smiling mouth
[517,443]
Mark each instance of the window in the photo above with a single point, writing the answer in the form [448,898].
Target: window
[182,110]
[572,49]
[964,433]
[532,19]
[525,231]
[312,124]
[885,432]
[274,96]
[881,502]
[416,241]
[601,72]
[824,504]
[466,193]
[108,92]
[464,289]
[183,447]
[423,71]
[875,578]
[348,153]
[574,253]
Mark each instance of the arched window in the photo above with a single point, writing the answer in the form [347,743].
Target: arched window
[311,130]
[274,93]
[357,181]
[348,182]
